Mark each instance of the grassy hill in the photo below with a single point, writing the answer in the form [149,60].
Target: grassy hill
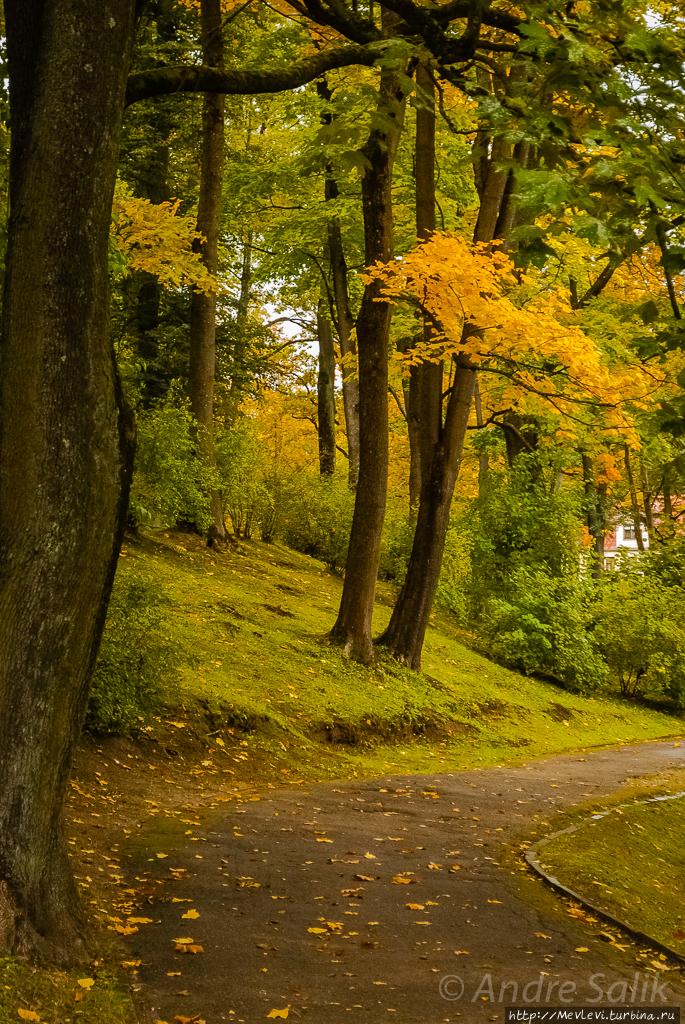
[239,652]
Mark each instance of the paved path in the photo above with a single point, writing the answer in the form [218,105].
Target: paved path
[381,901]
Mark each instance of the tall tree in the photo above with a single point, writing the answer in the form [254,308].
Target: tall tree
[65,442]
[325,387]
[203,304]
[352,628]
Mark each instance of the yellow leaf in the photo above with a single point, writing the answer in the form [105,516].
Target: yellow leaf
[370,856]
[123,930]
[174,974]
[279,1013]
[401,880]
[364,878]
[27,1014]
[435,867]
[131,963]
[494,901]
[85,982]
[318,931]
[325,841]
[162,856]
[415,906]
[219,741]
[582,949]
[183,941]
[461,952]
[541,935]
[191,914]
[139,920]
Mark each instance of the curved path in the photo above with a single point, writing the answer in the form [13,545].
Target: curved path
[384,900]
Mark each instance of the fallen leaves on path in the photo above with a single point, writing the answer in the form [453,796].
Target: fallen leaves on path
[279,1013]
[27,1014]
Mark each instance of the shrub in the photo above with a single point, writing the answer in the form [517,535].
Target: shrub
[545,626]
[640,631]
[135,659]
[318,519]
[240,462]
[170,482]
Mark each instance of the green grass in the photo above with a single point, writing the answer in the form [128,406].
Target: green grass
[252,655]
[51,996]
[645,885]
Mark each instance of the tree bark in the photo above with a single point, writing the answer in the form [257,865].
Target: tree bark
[345,325]
[65,443]
[353,626]
[326,392]
[637,519]
[440,445]
[202,306]
[647,496]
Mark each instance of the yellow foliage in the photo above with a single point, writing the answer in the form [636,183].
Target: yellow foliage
[502,323]
[156,238]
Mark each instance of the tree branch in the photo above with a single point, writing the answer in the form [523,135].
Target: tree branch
[199,78]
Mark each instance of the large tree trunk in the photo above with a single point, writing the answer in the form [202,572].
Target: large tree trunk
[65,445]
[353,625]
[326,392]
[202,306]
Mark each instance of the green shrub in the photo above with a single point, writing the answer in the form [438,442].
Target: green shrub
[318,519]
[135,659]
[640,631]
[170,482]
[545,626]
[241,466]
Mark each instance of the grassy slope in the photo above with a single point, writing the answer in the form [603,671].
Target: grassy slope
[644,887]
[251,630]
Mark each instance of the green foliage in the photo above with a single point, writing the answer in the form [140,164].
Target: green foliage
[170,482]
[319,519]
[241,461]
[135,658]
[640,630]
[545,627]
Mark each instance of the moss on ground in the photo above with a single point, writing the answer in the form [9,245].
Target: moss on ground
[250,631]
[631,864]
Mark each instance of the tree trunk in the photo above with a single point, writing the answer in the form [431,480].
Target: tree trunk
[326,392]
[345,325]
[203,307]
[595,512]
[647,503]
[483,460]
[406,630]
[440,445]
[65,444]
[353,625]
[637,519]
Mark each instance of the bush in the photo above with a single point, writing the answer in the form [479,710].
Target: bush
[318,519]
[170,482]
[134,660]
[546,626]
[240,462]
[640,631]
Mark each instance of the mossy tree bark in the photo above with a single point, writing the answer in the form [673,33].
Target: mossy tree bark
[325,387]
[203,307]
[65,443]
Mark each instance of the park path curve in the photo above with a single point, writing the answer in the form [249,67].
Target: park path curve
[398,899]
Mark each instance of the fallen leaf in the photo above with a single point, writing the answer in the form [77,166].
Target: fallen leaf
[139,920]
[324,840]
[162,856]
[435,867]
[455,867]
[78,996]
[183,941]
[364,878]
[415,906]
[279,1013]
[400,880]
[189,949]
[131,963]
[193,914]
[123,930]
[541,935]
[174,974]
[370,856]
[680,934]
[494,901]
[334,926]
[318,931]
[582,949]
[461,952]
[27,1014]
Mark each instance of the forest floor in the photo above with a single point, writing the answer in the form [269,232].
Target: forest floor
[257,719]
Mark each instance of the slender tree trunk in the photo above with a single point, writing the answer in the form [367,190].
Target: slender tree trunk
[353,625]
[483,461]
[637,519]
[647,503]
[345,325]
[326,391]
[595,513]
[203,307]
[65,444]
